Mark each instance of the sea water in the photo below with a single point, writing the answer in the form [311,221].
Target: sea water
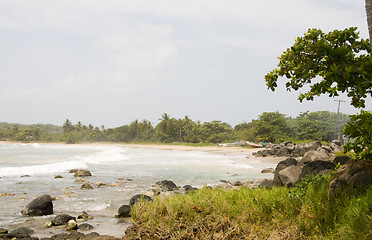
[28,171]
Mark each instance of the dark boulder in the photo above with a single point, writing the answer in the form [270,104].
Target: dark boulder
[317,167]
[282,165]
[124,211]
[290,176]
[356,174]
[85,227]
[21,232]
[189,188]
[266,184]
[166,185]
[136,199]
[342,160]
[40,206]
[62,219]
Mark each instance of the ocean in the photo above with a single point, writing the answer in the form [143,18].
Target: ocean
[28,171]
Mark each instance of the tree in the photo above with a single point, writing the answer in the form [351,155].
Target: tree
[331,63]
[360,128]
[369,18]
[272,127]
[341,61]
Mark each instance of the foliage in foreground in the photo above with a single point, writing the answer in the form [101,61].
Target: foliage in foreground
[304,212]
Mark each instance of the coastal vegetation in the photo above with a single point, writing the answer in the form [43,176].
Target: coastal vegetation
[268,127]
[302,212]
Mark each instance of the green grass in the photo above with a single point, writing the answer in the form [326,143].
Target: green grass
[304,212]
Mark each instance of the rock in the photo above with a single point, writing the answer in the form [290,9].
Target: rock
[356,174]
[317,167]
[317,155]
[189,188]
[336,146]
[58,176]
[21,232]
[266,184]
[135,199]
[82,173]
[85,216]
[225,181]
[81,180]
[71,225]
[85,227]
[3,231]
[73,170]
[40,206]
[290,175]
[268,170]
[62,219]
[48,224]
[166,185]
[342,160]
[86,186]
[100,184]
[312,146]
[282,165]
[124,211]
[237,184]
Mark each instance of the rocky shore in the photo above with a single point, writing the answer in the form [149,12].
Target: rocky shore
[302,160]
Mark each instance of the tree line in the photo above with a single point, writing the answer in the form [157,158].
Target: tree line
[268,127]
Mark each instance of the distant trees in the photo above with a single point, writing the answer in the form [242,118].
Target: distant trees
[268,127]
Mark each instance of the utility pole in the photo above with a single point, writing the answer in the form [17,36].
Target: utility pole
[337,135]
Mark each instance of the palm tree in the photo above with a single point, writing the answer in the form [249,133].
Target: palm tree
[165,124]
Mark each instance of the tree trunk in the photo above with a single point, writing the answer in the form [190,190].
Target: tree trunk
[369,18]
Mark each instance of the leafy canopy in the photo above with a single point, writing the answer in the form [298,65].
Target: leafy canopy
[341,60]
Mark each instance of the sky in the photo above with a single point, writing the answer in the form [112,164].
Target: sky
[111,62]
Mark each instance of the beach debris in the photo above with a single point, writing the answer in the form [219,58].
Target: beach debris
[40,206]
[136,199]
[86,186]
[124,211]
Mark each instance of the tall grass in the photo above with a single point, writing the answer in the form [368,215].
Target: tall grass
[304,212]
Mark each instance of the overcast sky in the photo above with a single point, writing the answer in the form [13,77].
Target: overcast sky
[110,62]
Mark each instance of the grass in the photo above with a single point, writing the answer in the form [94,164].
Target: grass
[304,212]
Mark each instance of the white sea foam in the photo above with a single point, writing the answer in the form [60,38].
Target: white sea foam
[99,156]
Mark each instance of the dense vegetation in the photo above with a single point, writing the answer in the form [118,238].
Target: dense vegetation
[303,212]
[269,127]
[332,63]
